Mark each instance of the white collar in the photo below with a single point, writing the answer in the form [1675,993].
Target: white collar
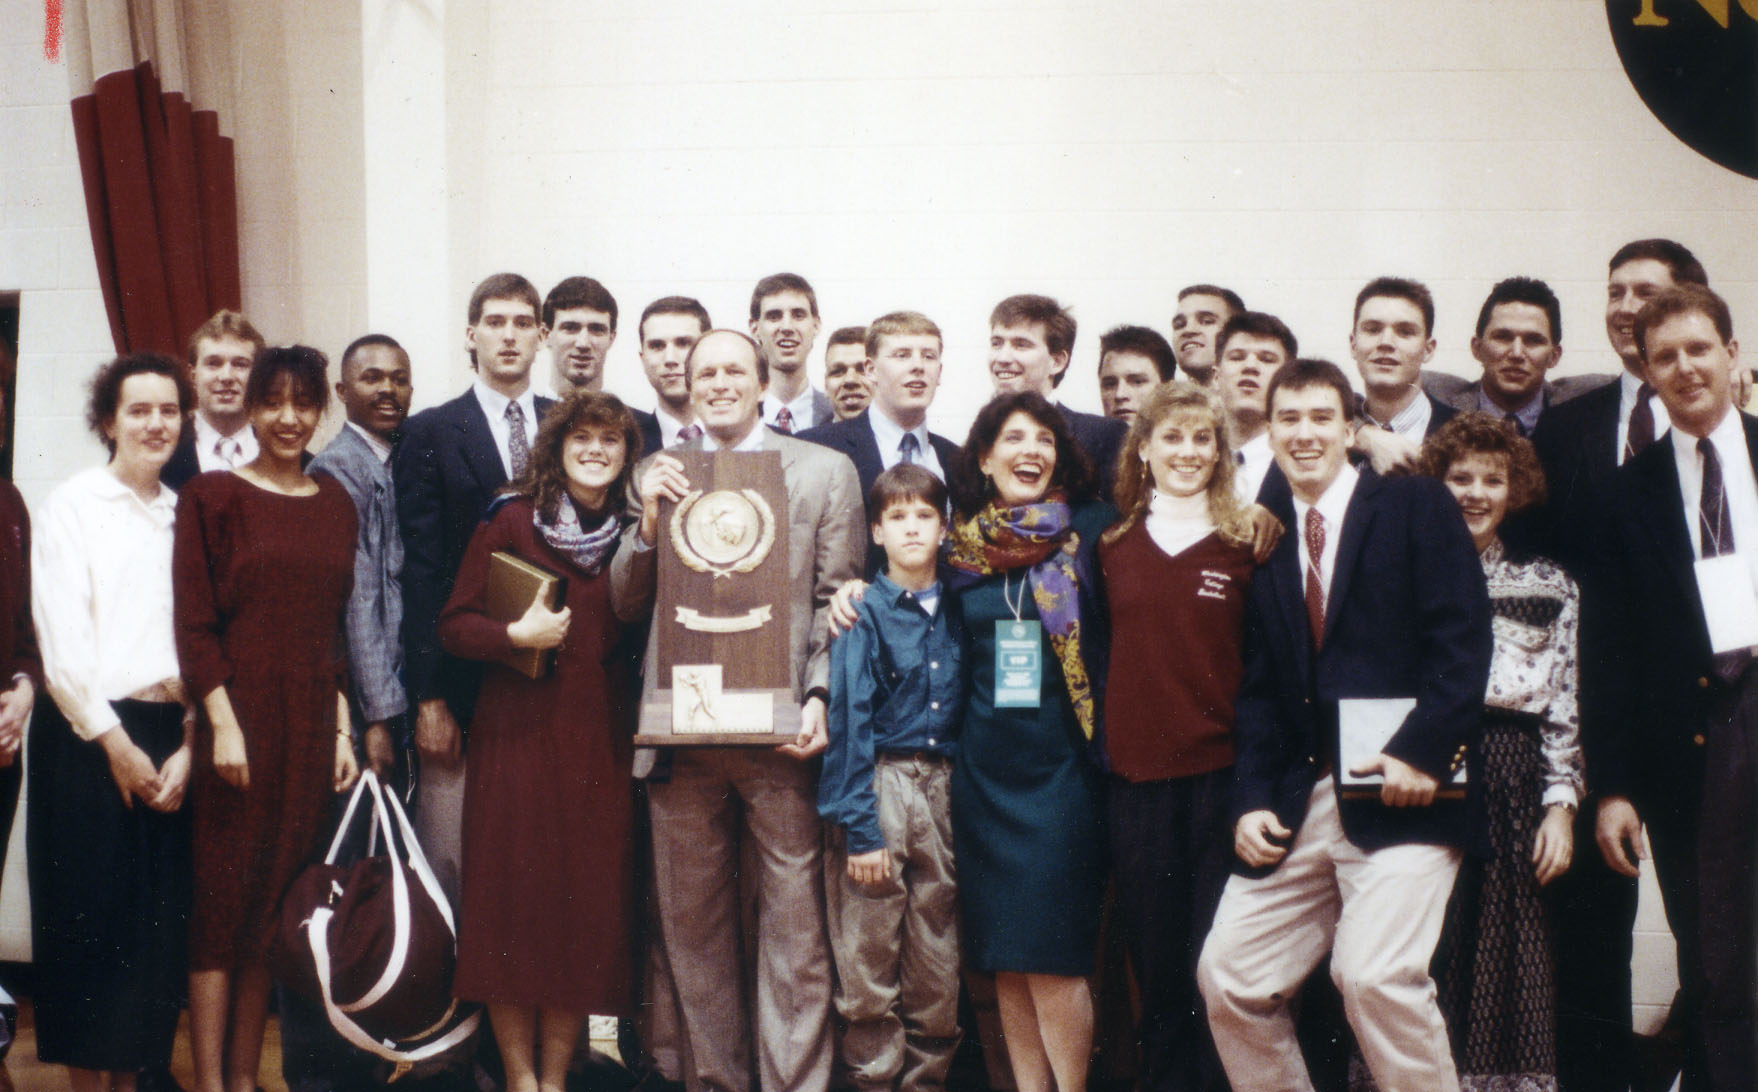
[1333,505]
[378,446]
[206,435]
[753,440]
[1728,436]
[494,403]
[888,434]
[102,482]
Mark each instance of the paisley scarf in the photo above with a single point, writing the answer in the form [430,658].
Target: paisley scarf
[588,550]
[1039,538]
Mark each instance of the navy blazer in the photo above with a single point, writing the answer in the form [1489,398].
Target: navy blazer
[1655,659]
[1101,438]
[651,438]
[1408,616]
[854,438]
[1577,446]
[447,470]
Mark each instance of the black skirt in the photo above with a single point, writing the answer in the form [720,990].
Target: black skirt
[109,897]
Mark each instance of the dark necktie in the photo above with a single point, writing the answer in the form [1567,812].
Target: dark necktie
[518,444]
[1514,419]
[1315,583]
[1641,432]
[784,421]
[1715,531]
[910,448]
[688,432]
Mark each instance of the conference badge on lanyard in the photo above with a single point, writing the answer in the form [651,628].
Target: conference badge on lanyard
[1019,663]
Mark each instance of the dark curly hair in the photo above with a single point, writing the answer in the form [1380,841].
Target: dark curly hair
[305,368]
[1482,434]
[545,481]
[971,489]
[106,388]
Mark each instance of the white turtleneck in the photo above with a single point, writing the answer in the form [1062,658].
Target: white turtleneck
[1178,523]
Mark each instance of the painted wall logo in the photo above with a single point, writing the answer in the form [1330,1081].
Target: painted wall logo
[1695,63]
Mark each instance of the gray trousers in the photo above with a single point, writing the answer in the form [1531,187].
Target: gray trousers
[715,799]
[896,944]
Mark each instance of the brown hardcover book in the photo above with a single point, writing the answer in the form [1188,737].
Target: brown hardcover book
[513,583]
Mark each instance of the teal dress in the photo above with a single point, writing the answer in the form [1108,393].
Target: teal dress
[1026,801]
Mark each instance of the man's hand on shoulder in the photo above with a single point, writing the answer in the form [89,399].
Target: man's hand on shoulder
[1386,451]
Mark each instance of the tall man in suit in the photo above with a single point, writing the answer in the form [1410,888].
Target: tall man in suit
[1519,340]
[1681,763]
[374,389]
[1133,360]
[717,797]
[1391,338]
[220,354]
[669,329]
[1581,445]
[846,381]
[902,356]
[1377,593]
[1201,312]
[784,322]
[1030,341]
[452,460]
[580,315]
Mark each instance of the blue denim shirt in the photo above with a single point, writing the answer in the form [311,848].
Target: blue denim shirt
[896,684]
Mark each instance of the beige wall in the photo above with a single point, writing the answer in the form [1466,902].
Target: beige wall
[1104,151]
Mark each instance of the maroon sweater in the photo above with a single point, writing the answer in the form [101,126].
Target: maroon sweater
[1176,654]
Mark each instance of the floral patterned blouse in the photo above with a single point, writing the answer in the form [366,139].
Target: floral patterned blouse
[1536,669]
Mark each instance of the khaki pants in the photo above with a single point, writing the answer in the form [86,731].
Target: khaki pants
[896,944]
[1378,913]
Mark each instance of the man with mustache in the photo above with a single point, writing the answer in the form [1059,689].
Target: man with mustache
[1202,310]
[784,322]
[374,389]
[581,317]
[220,354]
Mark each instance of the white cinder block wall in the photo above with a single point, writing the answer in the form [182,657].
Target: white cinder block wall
[937,158]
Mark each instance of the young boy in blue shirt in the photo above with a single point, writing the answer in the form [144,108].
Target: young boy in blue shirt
[890,885]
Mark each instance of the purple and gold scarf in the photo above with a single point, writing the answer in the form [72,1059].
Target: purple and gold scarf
[1041,539]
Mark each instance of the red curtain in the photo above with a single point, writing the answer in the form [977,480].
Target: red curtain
[161,197]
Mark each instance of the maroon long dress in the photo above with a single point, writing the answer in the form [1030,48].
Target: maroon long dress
[548,801]
[261,581]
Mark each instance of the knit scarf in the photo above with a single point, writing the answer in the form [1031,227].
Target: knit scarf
[1039,538]
[588,550]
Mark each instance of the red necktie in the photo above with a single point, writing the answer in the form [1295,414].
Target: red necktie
[784,421]
[1315,584]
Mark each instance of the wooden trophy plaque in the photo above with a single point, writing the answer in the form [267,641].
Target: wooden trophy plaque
[721,614]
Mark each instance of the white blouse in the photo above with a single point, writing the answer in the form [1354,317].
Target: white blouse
[101,595]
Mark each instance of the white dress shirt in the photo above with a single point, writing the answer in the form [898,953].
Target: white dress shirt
[1252,463]
[669,426]
[753,441]
[1332,506]
[1729,438]
[494,405]
[101,595]
[888,434]
[800,408]
[207,445]
[1628,387]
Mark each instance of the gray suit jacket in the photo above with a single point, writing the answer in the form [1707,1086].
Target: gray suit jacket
[1461,394]
[375,607]
[826,545]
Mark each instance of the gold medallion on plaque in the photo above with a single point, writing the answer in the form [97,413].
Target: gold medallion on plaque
[724,532]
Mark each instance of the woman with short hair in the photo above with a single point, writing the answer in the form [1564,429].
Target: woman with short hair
[107,836]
